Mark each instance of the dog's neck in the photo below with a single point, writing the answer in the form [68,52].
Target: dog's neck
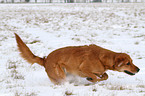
[108,67]
[110,64]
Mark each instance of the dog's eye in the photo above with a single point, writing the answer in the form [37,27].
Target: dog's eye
[128,63]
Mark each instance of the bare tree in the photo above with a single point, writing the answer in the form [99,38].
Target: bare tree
[127,1]
[2,1]
[27,1]
[97,0]
[50,1]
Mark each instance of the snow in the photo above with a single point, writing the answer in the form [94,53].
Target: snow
[46,27]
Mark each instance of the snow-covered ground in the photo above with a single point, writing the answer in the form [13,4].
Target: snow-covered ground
[46,27]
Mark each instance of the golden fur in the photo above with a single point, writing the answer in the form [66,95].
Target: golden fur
[90,61]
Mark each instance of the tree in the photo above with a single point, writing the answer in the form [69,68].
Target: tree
[27,1]
[97,0]
[50,1]
[135,1]
[13,1]
[70,1]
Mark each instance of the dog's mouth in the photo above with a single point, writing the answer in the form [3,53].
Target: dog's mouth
[127,72]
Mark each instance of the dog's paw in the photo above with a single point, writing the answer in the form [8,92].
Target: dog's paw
[88,78]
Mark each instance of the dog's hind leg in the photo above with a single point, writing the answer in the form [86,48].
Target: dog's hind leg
[57,74]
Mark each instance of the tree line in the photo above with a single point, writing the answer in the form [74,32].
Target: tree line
[68,1]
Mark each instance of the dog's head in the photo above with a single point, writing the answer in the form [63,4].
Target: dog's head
[123,63]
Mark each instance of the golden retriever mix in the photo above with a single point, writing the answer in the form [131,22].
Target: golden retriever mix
[86,61]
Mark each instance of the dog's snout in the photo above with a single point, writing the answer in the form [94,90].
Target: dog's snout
[138,69]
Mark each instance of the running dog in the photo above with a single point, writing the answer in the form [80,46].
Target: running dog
[90,62]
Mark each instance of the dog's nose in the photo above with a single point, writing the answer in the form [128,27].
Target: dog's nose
[138,70]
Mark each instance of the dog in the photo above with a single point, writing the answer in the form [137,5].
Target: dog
[90,62]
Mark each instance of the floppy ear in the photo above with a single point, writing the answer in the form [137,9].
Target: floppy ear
[119,64]
[119,60]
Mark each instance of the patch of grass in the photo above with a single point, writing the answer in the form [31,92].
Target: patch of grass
[18,94]
[17,76]
[76,39]
[117,88]
[94,90]
[3,38]
[139,58]
[31,94]
[141,86]
[142,91]
[76,85]
[25,94]
[67,93]
[94,35]
[87,84]
[135,26]
[35,41]
[13,70]
[2,80]
[138,36]
[13,66]
[101,84]
[136,43]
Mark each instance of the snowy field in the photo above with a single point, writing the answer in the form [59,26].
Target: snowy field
[46,27]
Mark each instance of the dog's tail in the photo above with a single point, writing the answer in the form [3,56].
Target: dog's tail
[26,52]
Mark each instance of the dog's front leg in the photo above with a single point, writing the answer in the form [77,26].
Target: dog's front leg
[87,72]
[104,76]
[99,77]
[92,77]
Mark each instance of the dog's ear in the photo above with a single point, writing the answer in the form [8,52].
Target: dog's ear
[119,58]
